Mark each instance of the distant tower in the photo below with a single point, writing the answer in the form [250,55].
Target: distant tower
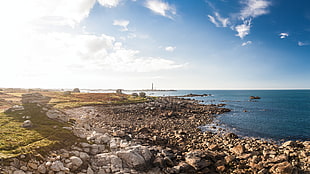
[152,86]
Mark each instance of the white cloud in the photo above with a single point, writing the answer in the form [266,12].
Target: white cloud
[42,52]
[122,23]
[246,43]
[283,35]
[243,29]
[109,3]
[55,12]
[161,8]
[254,8]
[250,10]
[170,48]
[303,43]
[218,21]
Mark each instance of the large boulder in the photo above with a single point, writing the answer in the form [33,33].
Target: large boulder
[238,150]
[283,168]
[76,90]
[58,115]
[197,159]
[137,157]
[15,108]
[76,162]
[35,98]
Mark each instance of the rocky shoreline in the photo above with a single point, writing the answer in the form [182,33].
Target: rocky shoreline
[160,136]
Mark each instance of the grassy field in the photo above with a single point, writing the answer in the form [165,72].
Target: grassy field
[45,134]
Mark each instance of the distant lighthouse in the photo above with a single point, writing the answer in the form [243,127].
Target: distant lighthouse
[152,86]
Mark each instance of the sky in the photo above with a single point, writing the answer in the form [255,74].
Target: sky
[175,44]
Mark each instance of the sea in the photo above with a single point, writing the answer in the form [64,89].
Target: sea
[279,115]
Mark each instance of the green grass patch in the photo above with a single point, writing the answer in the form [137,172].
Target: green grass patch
[45,135]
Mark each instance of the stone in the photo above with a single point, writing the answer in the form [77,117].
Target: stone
[229,158]
[33,166]
[116,163]
[221,168]
[84,156]
[290,143]
[231,136]
[76,90]
[142,94]
[185,168]
[19,172]
[283,168]
[57,166]
[18,108]
[89,170]
[196,160]
[56,114]
[136,158]
[24,168]
[119,133]
[238,150]
[76,162]
[213,147]
[42,169]
[35,98]
[103,139]
[27,124]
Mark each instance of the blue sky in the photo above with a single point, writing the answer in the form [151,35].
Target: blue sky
[176,44]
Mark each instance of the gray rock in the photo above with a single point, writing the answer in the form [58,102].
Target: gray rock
[57,166]
[27,124]
[42,169]
[89,171]
[77,90]
[132,159]
[24,168]
[18,172]
[35,98]
[116,163]
[76,162]
[137,158]
[56,114]
[84,156]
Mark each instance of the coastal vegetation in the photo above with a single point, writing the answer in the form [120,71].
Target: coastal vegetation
[46,134]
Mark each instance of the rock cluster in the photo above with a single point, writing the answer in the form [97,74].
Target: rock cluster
[35,98]
[76,90]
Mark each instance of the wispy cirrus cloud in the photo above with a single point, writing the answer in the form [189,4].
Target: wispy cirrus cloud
[162,8]
[218,21]
[250,9]
[122,23]
[303,43]
[254,8]
[246,43]
[283,35]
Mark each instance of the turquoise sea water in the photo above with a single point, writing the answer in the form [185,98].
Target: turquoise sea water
[278,115]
